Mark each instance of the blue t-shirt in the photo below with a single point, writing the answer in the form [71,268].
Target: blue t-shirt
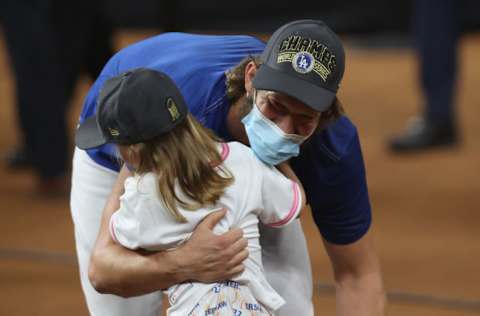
[330,165]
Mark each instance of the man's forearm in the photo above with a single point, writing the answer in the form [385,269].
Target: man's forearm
[361,296]
[125,273]
[358,278]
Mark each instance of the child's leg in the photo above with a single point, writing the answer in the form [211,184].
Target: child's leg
[91,185]
[286,261]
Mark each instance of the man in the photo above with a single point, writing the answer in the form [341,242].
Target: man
[294,90]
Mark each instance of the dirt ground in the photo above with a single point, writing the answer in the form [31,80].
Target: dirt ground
[426,207]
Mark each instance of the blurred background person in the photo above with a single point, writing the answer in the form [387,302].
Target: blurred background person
[435,29]
[50,42]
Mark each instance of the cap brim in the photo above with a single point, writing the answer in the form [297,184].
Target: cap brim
[89,135]
[318,98]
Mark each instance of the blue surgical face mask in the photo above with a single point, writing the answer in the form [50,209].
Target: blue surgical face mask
[268,141]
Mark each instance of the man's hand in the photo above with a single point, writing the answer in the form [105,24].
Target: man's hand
[207,257]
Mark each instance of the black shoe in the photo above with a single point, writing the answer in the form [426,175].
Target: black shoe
[421,135]
[17,159]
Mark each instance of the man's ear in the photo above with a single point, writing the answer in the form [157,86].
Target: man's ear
[250,71]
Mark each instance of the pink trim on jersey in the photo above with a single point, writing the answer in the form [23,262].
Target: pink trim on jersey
[225,151]
[112,231]
[223,154]
[293,211]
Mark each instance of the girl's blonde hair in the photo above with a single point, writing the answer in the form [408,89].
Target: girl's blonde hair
[187,156]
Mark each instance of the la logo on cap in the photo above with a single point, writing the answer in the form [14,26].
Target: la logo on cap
[172,109]
[303,62]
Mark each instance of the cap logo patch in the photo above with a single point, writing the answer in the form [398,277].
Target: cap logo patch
[173,110]
[303,62]
[306,54]
[114,132]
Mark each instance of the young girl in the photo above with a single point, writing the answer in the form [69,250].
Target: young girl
[182,173]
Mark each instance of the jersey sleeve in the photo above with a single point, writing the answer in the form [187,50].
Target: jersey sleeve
[126,224]
[282,200]
[332,172]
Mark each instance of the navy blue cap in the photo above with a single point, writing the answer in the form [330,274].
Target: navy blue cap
[304,59]
[133,107]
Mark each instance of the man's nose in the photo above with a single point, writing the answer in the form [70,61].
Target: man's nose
[286,124]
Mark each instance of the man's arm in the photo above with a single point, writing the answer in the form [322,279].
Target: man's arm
[205,257]
[358,281]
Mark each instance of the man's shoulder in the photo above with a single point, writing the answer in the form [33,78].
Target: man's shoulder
[332,162]
[335,142]
[332,171]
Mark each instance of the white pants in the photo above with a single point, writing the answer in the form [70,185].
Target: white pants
[285,255]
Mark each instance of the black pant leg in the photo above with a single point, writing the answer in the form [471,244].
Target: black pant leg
[44,83]
[436,30]
[29,44]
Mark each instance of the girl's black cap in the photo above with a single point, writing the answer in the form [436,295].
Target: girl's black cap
[304,59]
[133,107]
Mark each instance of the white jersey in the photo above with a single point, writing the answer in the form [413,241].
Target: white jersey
[259,192]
